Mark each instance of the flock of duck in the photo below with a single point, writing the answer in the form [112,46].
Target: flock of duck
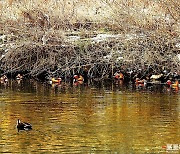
[154,80]
[80,79]
[118,77]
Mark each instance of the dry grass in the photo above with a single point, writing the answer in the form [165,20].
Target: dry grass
[140,13]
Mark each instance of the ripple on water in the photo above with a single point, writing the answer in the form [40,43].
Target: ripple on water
[88,121]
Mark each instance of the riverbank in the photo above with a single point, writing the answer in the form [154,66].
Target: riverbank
[42,44]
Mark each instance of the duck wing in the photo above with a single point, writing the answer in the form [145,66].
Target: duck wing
[27,125]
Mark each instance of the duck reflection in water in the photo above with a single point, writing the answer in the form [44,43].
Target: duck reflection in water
[23,125]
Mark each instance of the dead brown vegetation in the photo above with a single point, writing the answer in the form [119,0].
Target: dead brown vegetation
[38,36]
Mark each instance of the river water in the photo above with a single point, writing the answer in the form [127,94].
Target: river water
[101,118]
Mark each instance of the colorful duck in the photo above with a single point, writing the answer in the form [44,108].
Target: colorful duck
[174,85]
[119,76]
[169,82]
[58,80]
[78,79]
[139,82]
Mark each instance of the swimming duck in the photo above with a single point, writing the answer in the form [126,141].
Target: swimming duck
[78,78]
[175,85]
[139,82]
[169,82]
[118,76]
[23,125]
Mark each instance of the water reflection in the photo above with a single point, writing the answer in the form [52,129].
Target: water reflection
[87,119]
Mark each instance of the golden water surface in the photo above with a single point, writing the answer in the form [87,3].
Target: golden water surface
[87,119]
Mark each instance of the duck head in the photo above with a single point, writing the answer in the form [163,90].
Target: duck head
[18,121]
[168,82]
[59,79]
[75,76]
